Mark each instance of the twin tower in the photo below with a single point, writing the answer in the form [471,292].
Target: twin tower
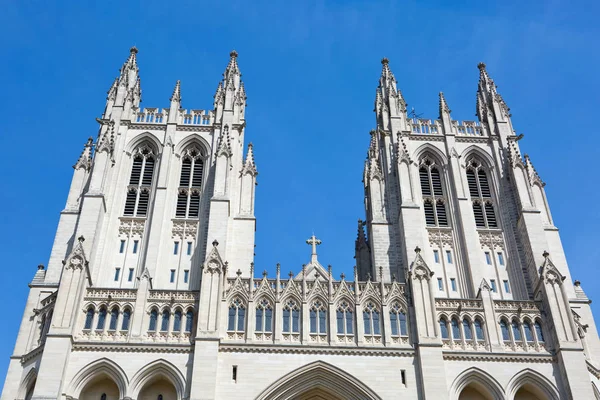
[461,286]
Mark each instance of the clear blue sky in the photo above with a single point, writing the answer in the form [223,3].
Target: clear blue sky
[310,70]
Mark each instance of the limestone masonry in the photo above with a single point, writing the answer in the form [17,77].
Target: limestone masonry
[461,288]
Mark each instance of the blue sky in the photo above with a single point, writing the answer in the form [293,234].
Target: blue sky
[310,70]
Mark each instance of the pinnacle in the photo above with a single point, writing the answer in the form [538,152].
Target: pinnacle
[233,54]
[133,50]
[176,96]
[443,105]
[481,66]
[385,61]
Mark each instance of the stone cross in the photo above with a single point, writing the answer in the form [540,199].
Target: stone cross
[314,242]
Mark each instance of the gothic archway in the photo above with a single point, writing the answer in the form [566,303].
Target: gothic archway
[531,385]
[476,384]
[158,378]
[318,381]
[102,376]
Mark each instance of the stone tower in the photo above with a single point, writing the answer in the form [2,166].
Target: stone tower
[461,289]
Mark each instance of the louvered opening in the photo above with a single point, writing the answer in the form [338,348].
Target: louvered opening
[436,182]
[429,215]
[148,172]
[425,188]
[194,204]
[478,213]
[136,170]
[490,215]
[483,183]
[472,183]
[440,209]
[142,208]
[186,170]
[130,202]
[181,204]
[197,178]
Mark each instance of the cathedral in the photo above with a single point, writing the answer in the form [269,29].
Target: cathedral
[461,288]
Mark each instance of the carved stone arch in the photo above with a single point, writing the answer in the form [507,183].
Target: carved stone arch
[157,369]
[479,380]
[265,296]
[27,384]
[189,141]
[347,299]
[315,298]
[428,149]
[238,292]
[144,138]
[374,300]
[533,380]
[295,297]
[475,151]
[102,367]
[400,299]
[318,376]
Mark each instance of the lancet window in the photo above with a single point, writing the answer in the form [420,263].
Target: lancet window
[318,318]
[434,201]
[237,316]
[345,322]
[140,182]
[189,320]
[371,319]
[190,184]
[481,195]
[398,320]
[291,317]
[264,316]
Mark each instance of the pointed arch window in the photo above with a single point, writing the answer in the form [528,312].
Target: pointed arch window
[504,330]
[140,182]
[479,329]
[467,329]
[264,316]
[126,319]
[538,332]
[398,320]
[345,322]
[190,184]
[89,318]
[481,195]
[516,330]
[444,328]
[164,322]
[371,319]
[153,320]
[528,332]
[237,316]
[189,320]
[318,318]
[114,317]
[434,202]
[177,321]
[291,317]
[455,329]
[101,319]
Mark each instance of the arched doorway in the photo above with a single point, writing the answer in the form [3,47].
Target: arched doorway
[530,392]
[317,394]
[101,388]
[158,389]
[475,391]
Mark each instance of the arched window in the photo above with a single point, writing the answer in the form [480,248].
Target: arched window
[291,317]
[114,317]
[140,182]
[398,320]
[177,321]
[318,318]
[190,184]
[479,329]
[455,329]
[481,195]
[101,318]
[538,331]
[126,318]
[528,332]
[345,322]
[504,329]
[237,316]
[89,318]
[444,329]
[153,319]
[264,316]
[467,329]
[371,319]
[189,320]
[434,203]
[164,321]
[516,329]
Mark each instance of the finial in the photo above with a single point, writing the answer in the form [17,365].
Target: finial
[576,283]
[233,54]
[342,276]
[385,61]
[368,276]
[481,66]
[215,243]
[264,273]
[291,274]
[278,267]
[545,254]
[417,249]
[239,272]
[133,50]
[81,239]
[393,277]
[41,267]
[329,268]
[381,273]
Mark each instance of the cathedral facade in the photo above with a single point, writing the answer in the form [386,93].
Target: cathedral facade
[461,288]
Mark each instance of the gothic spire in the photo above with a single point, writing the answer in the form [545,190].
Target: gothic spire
[130,68]
[176,96]
[85,159]
[361,239]
[224,145]
[112,92]
[249,165]
[534,177]
[444,109]
[232,72]
[487,95]
[389,102]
